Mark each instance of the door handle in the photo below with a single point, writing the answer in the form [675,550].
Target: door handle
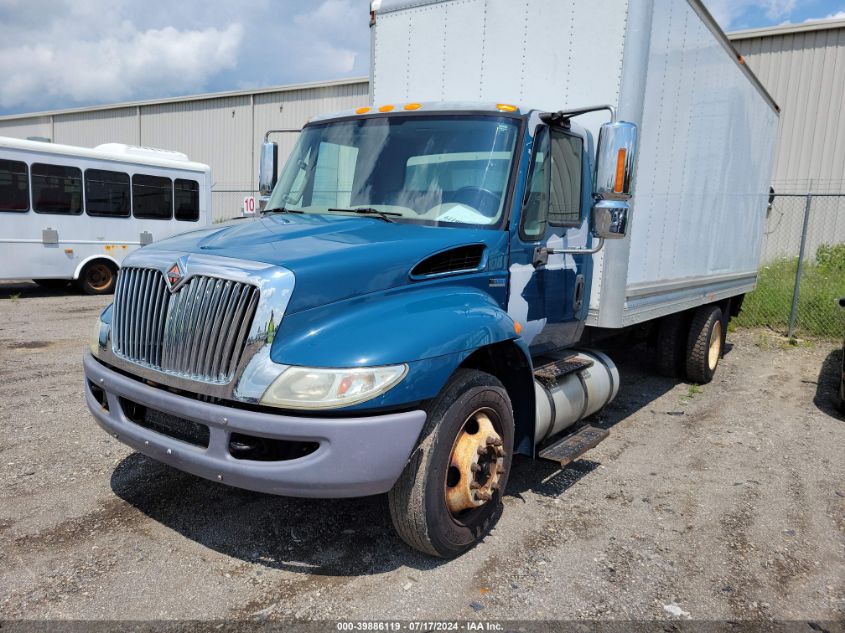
[578,298]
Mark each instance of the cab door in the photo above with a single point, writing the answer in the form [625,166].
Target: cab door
[548,293]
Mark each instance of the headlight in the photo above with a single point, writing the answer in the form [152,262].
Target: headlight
[314,388]
[100,336]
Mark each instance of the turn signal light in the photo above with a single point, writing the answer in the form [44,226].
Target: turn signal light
[386,108]
[505,107]
[413,106]
[363,110]
[619,184]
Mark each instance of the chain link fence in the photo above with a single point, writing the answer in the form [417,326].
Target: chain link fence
[802,271]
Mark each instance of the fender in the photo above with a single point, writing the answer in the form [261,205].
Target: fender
[91,258]
[431,328]
[396,326]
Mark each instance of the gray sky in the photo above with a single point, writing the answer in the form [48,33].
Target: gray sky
[70,53]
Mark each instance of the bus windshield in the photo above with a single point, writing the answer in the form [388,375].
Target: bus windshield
[437,170]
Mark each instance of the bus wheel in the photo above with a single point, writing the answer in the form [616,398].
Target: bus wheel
[52,284]
[97,277]
[450,493]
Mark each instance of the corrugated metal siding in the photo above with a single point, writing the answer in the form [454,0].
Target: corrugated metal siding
[23,128]
[805,73]
[216,132]
[223,131]
[88,129]
[283,110]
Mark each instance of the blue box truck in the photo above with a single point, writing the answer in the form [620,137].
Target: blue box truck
[420,296]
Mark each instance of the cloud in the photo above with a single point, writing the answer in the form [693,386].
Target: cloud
[727,12]
[839,15]
[109,59]
[60,54]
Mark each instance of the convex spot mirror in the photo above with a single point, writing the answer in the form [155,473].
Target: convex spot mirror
[610,219]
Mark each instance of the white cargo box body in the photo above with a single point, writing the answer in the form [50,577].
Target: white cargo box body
[707,126]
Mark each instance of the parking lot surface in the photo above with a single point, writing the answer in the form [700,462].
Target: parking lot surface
[725,501]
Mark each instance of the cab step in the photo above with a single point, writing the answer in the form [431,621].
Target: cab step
[572,446]
[549,372]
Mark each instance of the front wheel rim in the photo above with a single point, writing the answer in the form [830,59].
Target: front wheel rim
[715,349]
[476,464]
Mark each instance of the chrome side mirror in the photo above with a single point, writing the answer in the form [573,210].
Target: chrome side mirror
[268,168]
[616,159]
[610,219]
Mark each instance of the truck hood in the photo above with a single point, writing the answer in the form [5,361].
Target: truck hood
[333,257]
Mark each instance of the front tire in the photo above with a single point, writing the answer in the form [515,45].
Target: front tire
[97,278]
[450,494]
[704,345]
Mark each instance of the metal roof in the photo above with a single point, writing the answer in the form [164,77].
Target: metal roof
[116,152]
[183,99]
[787,29]
[427,106]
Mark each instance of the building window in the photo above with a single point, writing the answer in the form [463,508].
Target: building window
[107,193]
[152,197]
[14,186]
[187,200]
[56,189]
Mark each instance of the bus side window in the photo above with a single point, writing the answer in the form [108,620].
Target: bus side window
[14,186]
[187,200]
[106,193]
[56,189]
[152,197]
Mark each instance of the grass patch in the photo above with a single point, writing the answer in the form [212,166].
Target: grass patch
[822,284]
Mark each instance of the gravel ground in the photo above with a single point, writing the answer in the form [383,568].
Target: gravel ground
[728,501]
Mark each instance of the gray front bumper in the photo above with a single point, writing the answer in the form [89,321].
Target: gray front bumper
[356,456]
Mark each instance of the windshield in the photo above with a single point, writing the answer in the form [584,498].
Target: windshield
[441,170]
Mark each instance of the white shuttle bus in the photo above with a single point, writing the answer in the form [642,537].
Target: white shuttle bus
[73,213]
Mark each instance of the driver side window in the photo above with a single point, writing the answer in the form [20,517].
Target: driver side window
[553,193]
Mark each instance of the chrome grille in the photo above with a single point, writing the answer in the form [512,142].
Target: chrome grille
[198,332]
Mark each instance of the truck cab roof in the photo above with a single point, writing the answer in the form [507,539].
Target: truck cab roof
[433,107]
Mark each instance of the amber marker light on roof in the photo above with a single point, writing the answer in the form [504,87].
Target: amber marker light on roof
[363,110]
[413,106]
[386,108]
[506,107]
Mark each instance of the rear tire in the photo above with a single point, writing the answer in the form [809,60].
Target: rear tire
[52,284]
[97,277]
[671,346]
[704,345]
[421,499]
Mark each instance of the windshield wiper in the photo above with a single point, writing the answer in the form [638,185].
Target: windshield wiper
[383,215]
[281,210]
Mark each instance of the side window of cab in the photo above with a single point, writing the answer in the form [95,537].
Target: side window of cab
[553,192]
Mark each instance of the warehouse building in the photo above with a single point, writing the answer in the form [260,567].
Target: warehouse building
[803,67]
[223,130]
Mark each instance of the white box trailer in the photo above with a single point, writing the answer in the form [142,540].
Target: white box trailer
[707,125]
